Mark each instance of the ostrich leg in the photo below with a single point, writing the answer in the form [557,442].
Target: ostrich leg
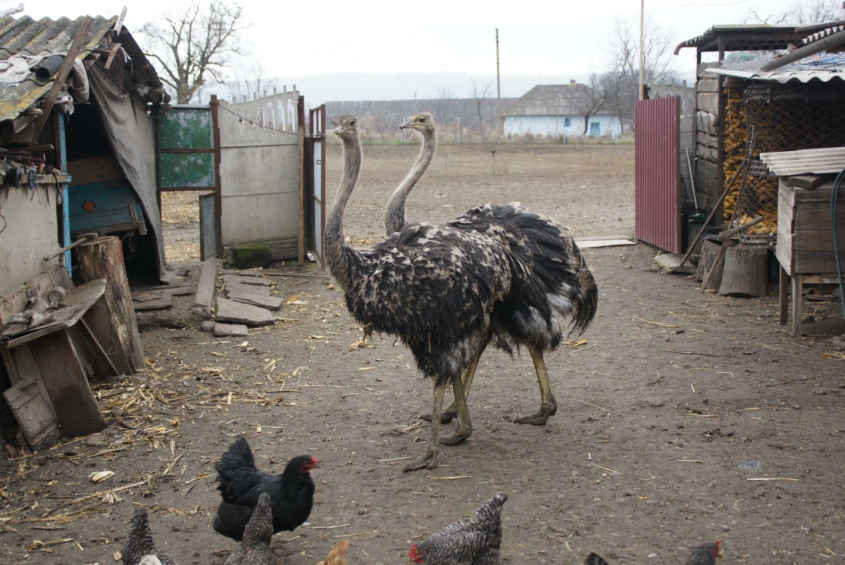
[451,412]
[548,404]
[429,457]
[464,423]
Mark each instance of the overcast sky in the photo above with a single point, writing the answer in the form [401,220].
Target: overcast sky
[298,39]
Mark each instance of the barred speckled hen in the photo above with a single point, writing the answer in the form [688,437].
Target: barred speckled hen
[476,541]
[139,547]
[548,251]
[704,554]
[433,287]
[255,548]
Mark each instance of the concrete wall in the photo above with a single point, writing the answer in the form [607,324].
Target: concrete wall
[553,126]
[31,232]
[259,170]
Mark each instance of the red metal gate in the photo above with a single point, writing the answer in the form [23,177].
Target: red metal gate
[658,178]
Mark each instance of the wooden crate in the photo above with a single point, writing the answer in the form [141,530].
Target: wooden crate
[94,169]
[805,242]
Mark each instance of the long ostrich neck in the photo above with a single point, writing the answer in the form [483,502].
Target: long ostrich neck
[337,252]
[394,220]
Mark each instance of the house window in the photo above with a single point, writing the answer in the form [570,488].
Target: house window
[595,128]
[567,122]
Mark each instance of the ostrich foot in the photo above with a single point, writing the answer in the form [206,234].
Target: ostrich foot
[447,416]
[428,460]
[541,417]
[461,434]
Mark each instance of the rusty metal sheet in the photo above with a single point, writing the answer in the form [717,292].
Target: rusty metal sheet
[657,176]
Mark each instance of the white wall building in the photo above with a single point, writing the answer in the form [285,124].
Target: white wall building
[558,110]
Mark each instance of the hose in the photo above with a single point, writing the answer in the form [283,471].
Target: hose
[834,198]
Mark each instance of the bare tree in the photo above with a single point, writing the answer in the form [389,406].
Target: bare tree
[799,12]
[193,44]
[442,101]
[478,92]
[620,83]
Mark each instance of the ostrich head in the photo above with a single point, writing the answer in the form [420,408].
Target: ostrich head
[422,122]
[346,126]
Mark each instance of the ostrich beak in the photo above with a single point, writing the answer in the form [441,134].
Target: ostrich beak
[406,125]
[337,131]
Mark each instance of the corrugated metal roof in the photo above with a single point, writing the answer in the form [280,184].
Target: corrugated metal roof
[776,37]
[805,161]
[552,100]
[786,75]
[32,37]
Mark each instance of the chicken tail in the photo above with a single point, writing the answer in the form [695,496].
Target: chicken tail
[260,526]
[594,559]
[149,560]
[337,554]
[237,457]
[139,543]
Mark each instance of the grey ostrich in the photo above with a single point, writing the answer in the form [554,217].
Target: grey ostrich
[433,287]
[543,245]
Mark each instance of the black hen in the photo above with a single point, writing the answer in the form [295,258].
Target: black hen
[476,541]
[139,547]
[255,548]
[241,483]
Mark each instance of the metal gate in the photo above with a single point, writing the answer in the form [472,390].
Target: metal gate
[317,142]
[188,158]
[658,179]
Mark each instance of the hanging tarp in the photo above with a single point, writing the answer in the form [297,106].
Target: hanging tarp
[131,133]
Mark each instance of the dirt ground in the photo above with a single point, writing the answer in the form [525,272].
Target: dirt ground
[684,417]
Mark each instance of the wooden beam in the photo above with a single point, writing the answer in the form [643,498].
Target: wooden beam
[62,74]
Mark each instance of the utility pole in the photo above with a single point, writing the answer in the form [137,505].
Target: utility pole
[498,89]
[642,49]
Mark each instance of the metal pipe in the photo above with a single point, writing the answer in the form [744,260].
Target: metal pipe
[691,179]
[834,40]
[48,68]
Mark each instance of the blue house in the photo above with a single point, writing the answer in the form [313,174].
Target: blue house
[559,110]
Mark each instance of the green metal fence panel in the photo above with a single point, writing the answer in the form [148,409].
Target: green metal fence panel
[186,149]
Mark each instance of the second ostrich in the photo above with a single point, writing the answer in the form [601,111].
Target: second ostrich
[433,287]
[541,244]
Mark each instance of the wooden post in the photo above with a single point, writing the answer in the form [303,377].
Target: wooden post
[783,295]
[103,259]
[797,297]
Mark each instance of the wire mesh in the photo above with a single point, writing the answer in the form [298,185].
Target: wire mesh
[116,69]
[786,117]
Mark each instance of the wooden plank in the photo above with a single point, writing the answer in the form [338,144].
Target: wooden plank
[206,285]
[103,259]
[35,418]
[95,363]
[238,313]
[816,262]
[818,240]
[708,102]
[702,138]
[28,370]
[66,383]
[94,169]
[809,217]
[100,319]
[706,153]
[819,194]
[797,289]
[166,301]
[705,123]
[808,182]
[783,296]
[89,336]
[246,280]
[783,250]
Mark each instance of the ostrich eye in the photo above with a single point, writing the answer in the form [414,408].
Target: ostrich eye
[422,120]
[352,123]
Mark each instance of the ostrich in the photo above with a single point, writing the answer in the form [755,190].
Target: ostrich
[433,287]
[543,245]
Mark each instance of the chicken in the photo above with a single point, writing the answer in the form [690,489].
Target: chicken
[705,554]
[469,542]
[594,559]
[241,483]
[139,548]
[337,556]
[255,548]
